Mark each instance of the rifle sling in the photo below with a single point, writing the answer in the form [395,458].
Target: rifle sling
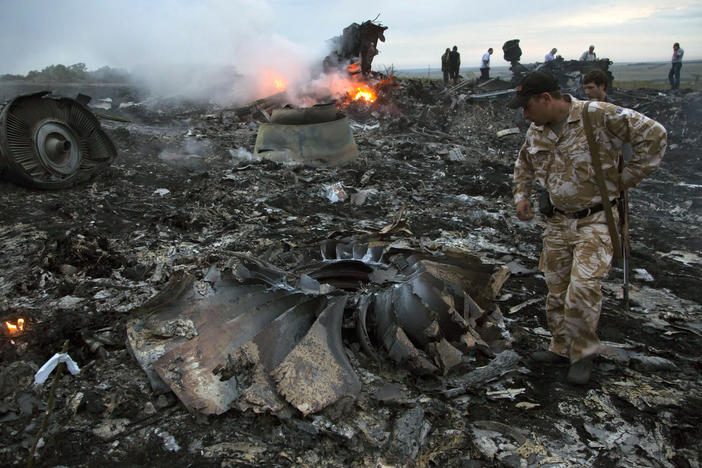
[597,164]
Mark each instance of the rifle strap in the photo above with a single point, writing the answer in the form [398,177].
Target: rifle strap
[597,164]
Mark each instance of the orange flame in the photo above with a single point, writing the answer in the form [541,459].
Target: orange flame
[15,329]
[271,82]
[363,92]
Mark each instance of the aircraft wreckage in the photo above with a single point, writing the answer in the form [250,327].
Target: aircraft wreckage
[271,340]
[51,142]
[314,136]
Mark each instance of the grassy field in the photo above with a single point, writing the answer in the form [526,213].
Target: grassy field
[655,75]
[626,75]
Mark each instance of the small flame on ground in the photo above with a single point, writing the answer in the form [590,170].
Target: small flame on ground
[15,328]
[279,84]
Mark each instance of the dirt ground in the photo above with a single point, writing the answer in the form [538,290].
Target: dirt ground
[185,194]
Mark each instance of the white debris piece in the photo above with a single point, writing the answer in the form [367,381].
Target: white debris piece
[336,192]
[510,393]
[241,154]
[102,294]
[125,105]
[169,441]
[45,370]
[508,131]
[161,192]
[518,307]
[640,273]
[69,302]
[105,104]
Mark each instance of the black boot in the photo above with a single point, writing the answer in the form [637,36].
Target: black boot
[579,372]
[548,357]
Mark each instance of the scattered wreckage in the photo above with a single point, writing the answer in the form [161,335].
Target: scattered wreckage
[266,339]
[89,273]
[51,142]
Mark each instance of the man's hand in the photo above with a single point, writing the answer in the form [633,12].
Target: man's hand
[524,212]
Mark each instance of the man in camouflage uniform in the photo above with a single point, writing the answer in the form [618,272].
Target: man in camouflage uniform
[577,248]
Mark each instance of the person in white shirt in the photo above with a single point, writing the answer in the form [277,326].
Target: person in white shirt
[485,65]
[551,55]
[589,55]
[675,66]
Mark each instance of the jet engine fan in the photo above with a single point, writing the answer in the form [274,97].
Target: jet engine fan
[51,142]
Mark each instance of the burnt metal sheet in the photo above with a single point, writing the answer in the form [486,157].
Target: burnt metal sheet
[189,369]
[317,372]
[411,314]
[362,327]
[266,351]
[170,325]
[249,269]
[318,113]
[317,145]
[401,349]
[427,288]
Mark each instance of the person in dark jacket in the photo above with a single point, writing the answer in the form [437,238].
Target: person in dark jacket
[454,64]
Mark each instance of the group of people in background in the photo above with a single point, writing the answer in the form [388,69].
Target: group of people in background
[451,63]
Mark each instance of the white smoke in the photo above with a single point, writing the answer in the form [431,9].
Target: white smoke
[223,51]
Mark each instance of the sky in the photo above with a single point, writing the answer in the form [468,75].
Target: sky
[283,36]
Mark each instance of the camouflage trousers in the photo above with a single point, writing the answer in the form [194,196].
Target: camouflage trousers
[576,256]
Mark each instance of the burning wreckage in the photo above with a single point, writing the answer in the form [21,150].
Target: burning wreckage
[270,284]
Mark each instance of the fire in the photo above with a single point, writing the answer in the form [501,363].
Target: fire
[363,92]
[15,329]
[271,82]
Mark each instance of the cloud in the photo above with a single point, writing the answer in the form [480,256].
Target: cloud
[607,16]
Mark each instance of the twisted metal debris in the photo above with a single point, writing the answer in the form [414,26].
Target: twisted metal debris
[257,342]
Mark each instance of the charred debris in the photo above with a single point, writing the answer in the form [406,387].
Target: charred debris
[238,296]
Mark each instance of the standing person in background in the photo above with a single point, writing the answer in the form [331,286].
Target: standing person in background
[445,66]
[551,55]
[589,55]
[454,64]
[485,65]
[675,66]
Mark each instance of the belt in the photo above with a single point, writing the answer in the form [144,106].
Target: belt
[584,213]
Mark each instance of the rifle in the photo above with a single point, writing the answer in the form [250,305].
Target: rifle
[623,208]
[620,242]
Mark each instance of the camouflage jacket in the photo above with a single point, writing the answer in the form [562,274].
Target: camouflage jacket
[563,165]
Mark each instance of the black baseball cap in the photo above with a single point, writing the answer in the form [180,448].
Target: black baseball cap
[534,83]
